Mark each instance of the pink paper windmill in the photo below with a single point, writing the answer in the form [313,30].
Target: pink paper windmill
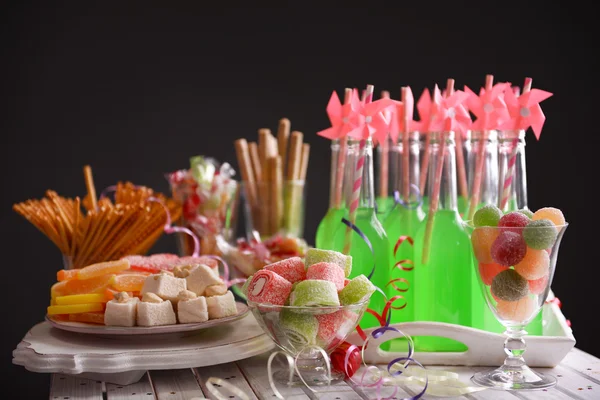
[489,107]
[398,118]
[371,121]
[452,115]
[525,111]
[428,108]
[343,117]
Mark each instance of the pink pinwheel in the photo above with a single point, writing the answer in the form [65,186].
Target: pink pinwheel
[452,115]
[428,108]
[488,107]
[343,118]
[398,118]
[525,111]
[371,121]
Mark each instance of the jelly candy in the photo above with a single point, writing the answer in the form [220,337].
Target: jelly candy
[482,239]
[509,285]
[540,234]
[508,249]
[534,265]
[488,215]
[514,221]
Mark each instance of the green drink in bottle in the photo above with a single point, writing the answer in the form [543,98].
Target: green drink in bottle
[443,273]
[364,260]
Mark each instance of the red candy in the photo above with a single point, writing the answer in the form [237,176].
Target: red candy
[514,222]
[292,269]
[489,271]
[508,249]
[327,272]
[334,325]
[268,287]
[537,286]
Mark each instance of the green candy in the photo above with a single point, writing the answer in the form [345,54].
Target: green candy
[314,256]
[357,290]
[527,212]
[540,234]
[314,293]
[509,285]
[488,215]
[245,285]
[300,329]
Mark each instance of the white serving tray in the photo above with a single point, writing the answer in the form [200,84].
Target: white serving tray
[484,348]
[124,360]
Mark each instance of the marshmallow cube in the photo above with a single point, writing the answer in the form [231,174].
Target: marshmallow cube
[193,310]
[165,286]
[221,306]
[154,314]
[200,278]
[121,314]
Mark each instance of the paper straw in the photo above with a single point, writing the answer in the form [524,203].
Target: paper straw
[339,180]
[357,180]
[460,166]
[384,171]
[437,184]
[478,175]
[508,178]
[405,150]
[425,159]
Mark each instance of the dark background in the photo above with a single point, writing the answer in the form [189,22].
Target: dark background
[134,91]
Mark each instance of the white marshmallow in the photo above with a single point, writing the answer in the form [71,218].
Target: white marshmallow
[165,286]
[221,306]
[193,310]
[153,314]
[121,313]
[200,278]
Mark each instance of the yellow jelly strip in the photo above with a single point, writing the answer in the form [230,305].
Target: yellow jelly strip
[80,299]
[75,308]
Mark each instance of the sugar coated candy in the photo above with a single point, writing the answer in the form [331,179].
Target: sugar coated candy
[327,272]
[292,269]
[358,289]
[551,213]
[509,285]
[267,287]
[508,249]
[514,221]
[537,286]
[488,215]
[540,234]
[534,265]
[482,239]
[335,325]
[489,271]
[314,293]
[518,311]
[314,256]
[527,212]
[299,329]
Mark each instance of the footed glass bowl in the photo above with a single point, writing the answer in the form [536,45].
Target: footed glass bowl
[299,330]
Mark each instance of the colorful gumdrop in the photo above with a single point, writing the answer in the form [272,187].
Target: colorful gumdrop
[540,234]
[520,310]
[482,239]
[508,249]
[551,213]
[534,265]
[489,271]
[509,285]
[514,221]
[527,212]
[538,286]
[488,215]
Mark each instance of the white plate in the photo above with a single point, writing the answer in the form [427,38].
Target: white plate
[82,327]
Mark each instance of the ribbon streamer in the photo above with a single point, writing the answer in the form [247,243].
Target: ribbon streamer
[168,228]
[225,267]
[212,381]
[363,237]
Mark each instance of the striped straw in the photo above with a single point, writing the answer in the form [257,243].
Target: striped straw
[510,170]
[358,175]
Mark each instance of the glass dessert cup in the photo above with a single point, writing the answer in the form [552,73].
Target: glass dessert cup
[515,270]
[300,331]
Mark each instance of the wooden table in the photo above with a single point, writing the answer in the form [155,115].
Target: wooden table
[578,378]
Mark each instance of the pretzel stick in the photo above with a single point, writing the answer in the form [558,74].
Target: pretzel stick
[89,184]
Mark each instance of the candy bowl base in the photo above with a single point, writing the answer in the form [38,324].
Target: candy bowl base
[312,374]
[513,378]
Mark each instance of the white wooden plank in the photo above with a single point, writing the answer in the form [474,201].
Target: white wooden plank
[65,387]
[141,390]
[230,373]
[339,391]
[585,364]
[255,371]
[465,374]
[175,384]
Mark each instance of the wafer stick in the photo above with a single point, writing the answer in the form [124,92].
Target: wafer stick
[276,186]
[304,161]
[91,189]
[295,155]
[283,135]
[255,161]
[293,175]
[243,156]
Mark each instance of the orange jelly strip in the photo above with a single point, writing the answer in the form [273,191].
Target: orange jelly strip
[92,285]
[128,282]
[89,317]
[93,271]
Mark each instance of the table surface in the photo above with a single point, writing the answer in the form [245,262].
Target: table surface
[578,377]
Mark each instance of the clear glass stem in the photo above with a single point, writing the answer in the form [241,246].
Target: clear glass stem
[514,347]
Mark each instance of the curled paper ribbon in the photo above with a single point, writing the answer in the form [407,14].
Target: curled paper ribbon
[225,267]
[168,228]
[365,239]
[212,381]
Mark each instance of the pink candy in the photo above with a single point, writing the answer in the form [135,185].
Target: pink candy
[292,269]
[336,324]
[268,287]
[327,272]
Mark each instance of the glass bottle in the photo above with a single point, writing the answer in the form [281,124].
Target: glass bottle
[337,207]
[400,224]
[443,272]
[384,178]
[489,174]
[365,261]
